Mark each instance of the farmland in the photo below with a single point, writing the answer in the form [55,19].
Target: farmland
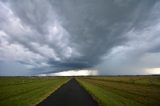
[106,90]
[123,90]
[26,91]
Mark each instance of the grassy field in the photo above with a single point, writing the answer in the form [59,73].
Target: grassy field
[108,90]
[27,91]
[123,90]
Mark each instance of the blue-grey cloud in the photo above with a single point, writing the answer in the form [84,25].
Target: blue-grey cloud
[57,35]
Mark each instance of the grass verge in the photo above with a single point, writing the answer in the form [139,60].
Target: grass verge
[116,93]
[27,91]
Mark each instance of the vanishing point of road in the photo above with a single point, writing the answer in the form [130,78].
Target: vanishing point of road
[69,94]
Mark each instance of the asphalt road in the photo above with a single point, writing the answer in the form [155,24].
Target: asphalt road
[70,94]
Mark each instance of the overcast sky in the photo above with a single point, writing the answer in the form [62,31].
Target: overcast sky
[110,36]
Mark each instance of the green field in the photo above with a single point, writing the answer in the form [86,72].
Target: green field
[123,90]
[107,90]
[27,91]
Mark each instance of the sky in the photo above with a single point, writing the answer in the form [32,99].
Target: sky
[52,37]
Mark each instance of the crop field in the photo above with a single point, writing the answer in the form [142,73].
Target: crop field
[59,91]
[123,90]
[27,91]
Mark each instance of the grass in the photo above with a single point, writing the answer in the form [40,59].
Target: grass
[107,90]
[27,91]
[123,90]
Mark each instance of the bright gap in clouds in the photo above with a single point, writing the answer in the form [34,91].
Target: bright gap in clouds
[153,71]
[84,72]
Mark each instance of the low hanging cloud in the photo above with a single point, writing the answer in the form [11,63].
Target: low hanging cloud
[85,72]
[114,37]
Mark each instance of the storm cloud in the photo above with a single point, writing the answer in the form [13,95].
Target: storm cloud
[112,36]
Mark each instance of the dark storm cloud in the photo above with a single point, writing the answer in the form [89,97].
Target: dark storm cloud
[96,26]
[57,35]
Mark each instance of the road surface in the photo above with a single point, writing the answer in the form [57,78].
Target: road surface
[70,94]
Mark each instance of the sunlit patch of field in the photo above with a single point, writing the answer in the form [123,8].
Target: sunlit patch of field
[27,91]
[123,90]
